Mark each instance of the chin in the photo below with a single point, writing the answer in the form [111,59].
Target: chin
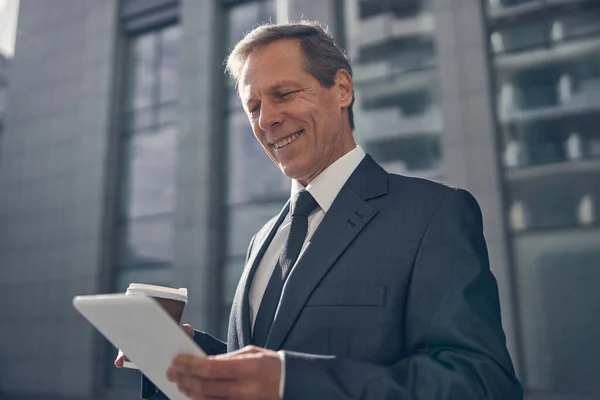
[291,173]
[294,170]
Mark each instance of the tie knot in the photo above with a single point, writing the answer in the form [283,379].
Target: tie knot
[303,203]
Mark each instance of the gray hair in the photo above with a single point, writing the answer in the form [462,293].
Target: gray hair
[323,57]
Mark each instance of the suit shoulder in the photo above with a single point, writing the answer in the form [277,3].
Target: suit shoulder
[434,198]
[421,186]
[428,191]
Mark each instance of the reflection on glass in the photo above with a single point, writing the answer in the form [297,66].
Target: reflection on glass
[559,277]
[151,178]
[547,77]
[142,62]
[169,64]
[397,112]
[153,76]
[147,241]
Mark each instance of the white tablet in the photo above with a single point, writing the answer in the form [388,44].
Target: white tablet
[140,327]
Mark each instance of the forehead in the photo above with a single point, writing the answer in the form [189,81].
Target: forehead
[267,66]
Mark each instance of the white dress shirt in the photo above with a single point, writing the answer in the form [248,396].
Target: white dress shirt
[324,188]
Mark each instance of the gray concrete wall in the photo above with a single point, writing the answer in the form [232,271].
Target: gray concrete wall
[53,177]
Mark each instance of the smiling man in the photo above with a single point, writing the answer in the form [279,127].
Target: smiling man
[367,285]
[297,120]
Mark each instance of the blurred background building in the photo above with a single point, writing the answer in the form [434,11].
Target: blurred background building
[4,65]
[8,21]
[126,157]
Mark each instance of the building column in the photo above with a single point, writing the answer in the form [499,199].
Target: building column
[470,149]
[199,221]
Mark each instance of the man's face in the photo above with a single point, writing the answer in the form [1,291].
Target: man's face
[301,125]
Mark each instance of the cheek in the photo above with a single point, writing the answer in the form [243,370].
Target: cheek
[258,133]
[323,125]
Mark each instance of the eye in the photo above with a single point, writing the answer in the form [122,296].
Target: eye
[255,109]
[286,95]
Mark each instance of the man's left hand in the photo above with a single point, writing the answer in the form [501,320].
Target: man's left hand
[250,373]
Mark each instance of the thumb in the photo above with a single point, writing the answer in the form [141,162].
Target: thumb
[241,352]
[119,360]
[188,329]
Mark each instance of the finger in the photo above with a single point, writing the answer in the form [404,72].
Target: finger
[243,351]
[172,375]
[175,376]
[188,329]
[119,360]
[191,387]
[217,368]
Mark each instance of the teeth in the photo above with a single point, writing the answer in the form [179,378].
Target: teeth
[286,141]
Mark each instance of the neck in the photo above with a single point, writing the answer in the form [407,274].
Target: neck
[344,149]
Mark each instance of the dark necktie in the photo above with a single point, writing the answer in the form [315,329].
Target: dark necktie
[302,205]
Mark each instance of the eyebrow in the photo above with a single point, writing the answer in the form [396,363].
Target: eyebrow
[277,86]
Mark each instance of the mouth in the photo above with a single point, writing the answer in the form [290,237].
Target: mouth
[287,140]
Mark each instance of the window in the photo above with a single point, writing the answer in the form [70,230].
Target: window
[150,150]
[547,83]
[149,158]
[392,47]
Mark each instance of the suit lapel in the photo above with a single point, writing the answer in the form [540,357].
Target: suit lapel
[261,243]
[348,215]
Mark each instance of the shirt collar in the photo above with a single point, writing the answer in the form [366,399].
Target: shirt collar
[325,187]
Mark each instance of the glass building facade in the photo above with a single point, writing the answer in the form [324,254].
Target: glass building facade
[392,46]
[149,141]
[148,158]
[546,71]
[126,157]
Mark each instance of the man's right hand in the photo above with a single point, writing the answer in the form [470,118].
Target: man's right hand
[120,357]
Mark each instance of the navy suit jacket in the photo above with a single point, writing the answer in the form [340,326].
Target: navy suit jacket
[393,298]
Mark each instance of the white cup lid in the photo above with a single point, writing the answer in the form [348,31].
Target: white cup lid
[158,291]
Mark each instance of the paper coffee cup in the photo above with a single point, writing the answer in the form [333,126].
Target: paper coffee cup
[172,300]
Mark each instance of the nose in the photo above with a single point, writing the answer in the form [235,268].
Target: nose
[270,116]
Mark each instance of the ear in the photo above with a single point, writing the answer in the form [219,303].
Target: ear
[343,82]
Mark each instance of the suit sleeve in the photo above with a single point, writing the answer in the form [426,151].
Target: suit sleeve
[210,344]
[453,331]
